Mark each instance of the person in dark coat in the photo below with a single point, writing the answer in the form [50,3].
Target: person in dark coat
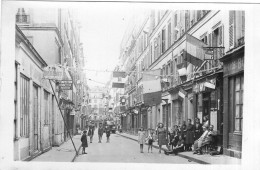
[100,132]
[161,133]
[91,132]
[189,136]
[198,129]
[108,133]
[176,135]
[183,131]
[171,137]
[84,142]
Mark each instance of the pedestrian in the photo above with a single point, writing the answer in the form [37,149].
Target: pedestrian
[100,132]
[189,136]
[176,135]
[161,133]
[184,132]
[200,142]
[150,140]
[171,137]
[141,138]
[84,142]
[206,120]
[198,129]
[108,133]
[91,132]
[178,148]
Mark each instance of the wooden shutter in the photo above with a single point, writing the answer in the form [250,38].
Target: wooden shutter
[210,39]
[221,37]
[231,28]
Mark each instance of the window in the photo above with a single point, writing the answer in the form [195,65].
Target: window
[46,108]
[159,46]
[169,34]
[239,88]
[163,40]
[231,28]
[175,27]
[243,23]
[15,101]
[198,15]
[155,49]
[24,98]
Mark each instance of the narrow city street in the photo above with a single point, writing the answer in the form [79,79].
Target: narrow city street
[121,149]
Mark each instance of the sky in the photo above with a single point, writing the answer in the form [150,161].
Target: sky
[101,34]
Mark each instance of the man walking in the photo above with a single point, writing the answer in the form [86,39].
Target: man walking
[91,132]
[100,132]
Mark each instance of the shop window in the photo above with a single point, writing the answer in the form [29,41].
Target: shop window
[239,88]
[25,96]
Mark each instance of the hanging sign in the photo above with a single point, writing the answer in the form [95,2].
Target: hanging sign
[65,85]
[53,72]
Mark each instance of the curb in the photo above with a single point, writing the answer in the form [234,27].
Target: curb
[179,154]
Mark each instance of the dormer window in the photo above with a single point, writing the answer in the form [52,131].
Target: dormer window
[22,17]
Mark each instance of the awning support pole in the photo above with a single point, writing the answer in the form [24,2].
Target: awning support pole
[63,118]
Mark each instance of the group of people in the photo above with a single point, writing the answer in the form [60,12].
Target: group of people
[184,136]
[180,138]
[90,132]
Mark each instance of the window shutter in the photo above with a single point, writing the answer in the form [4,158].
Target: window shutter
[231,28]
[221,37]
[210,40]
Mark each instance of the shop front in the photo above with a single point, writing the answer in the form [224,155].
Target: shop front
[233,101]
[207,102]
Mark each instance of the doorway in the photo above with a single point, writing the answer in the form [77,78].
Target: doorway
[35,118]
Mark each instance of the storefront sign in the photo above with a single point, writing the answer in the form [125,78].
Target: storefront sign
[234,66]
[65,85]
[201,87]
[53,72]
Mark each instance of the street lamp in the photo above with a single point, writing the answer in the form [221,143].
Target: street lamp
[166,101]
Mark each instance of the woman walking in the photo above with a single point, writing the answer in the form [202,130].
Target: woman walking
[84,142]
[189,136]
[141,139]
[161,133]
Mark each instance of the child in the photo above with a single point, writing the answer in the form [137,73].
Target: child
[141,139]
[150,139]
[84,141]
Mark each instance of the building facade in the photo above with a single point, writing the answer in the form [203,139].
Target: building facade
[43,39]
[187,47]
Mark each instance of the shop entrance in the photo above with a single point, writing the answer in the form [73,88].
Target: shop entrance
[206,106]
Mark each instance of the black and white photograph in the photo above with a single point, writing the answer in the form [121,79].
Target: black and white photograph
[124,84]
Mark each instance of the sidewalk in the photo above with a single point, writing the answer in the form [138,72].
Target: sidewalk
[202,159]
[63,153]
